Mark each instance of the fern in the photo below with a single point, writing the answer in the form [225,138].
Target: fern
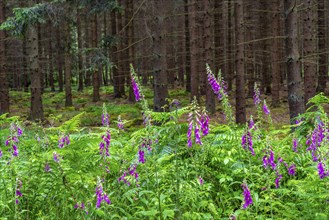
[73,124]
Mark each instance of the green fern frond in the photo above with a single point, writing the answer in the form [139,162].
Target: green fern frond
[73,124]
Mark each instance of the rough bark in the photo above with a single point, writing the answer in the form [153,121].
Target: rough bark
[50,58]
[33,59]
[187,47]
[68,66]
[295,88]
[96,96]
[194,49]
[323,47]
[310,47]
[60,58]
[80,46]
[159,54]
[4,90]
[275,53]
[208,47]
[240,91]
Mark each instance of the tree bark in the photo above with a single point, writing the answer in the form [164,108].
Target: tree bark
[275,53]
[240,91]
[4,89]
[33,59]
[96,96]
[68,65]
[295,90]
[187,47]
[310,47]
[60,58]
[80,46]
[194,49]
[323,47]
[50,58]
[159,58]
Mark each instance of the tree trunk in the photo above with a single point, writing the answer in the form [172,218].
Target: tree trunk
[115,60]
[194,49]
[240,91]
[80,46]
[68,65]
[60,58]
[33,59]
[208,47]
[159,58]
[131,50]
[96,96]
[187,47]
[275,53]
[295,90]
[310,47]
[4,90]
[323,47]
[50,58]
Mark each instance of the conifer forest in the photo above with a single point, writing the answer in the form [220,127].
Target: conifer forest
[164,109]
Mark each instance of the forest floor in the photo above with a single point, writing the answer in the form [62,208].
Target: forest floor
[56,112]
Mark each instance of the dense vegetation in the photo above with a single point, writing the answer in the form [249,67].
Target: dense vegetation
[169,166]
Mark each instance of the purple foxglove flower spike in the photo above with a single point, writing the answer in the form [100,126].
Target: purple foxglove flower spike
[19,131]
[246,195]
[200,180]
[321,170]
[292,170]
[56,157]
[197,135]
[265,108]
[141,157]
[256,95]
[277,180]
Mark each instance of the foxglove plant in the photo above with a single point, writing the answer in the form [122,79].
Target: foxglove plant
[104,145]
[246,142]
[132,172]
[256,95]
[120,123]
[193,124]
[105,117]
[18,191]
[200,180]
[247,196]
[322,171]
[15,132]
[64,141]
[265,108]
[204,122]
[219,88]
[101,196]
[56,157]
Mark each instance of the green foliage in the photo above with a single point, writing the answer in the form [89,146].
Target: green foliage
[168,185]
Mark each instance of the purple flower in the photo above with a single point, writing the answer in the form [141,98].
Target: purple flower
[47,167]
[256,95]
[246,195]
[56,157]
[295,145]
[292,170]
[0,153]
[277,180]
[251,123]
[189,133]
[16,201]
[246,142]
[204,123]
[7,142]
[120,123]
[197,135]
[15,151]
[200,180]
[18,193]
[105,119]
[101,196]
[141,157]
[19,131]
[265,109]
[76,206]
[321,170]
[135,89]
[271,160]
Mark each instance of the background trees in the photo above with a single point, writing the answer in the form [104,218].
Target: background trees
[72,44]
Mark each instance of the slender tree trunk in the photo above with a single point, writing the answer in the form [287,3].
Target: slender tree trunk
[25,68]
[115,60]
[229,74]
[310,47]
[36,88]
[194,49]
[240,91]
[323,47]
[121,56]
[275,53]
[50,58]
[187,46]
[131,50]
[96,96]
[60,58]
[159,58]
[208,39]
[68,66]
[294,81]
[80,58]
[4,90]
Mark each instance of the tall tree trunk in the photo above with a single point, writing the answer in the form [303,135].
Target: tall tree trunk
[275,53]
[115,60]
[50,58]
[295,90]
[80,46]
[323,46]
[36,88]
[25,67]
[208,43]
[159,57]
[60,58]
[229,73]
[96,96]
[68,65]
[310,47]
[4,90]
[121,56]
[131,49]
[187,46]
[194,49]
[240,91]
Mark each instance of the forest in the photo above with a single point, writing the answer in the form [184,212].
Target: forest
[164,109]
